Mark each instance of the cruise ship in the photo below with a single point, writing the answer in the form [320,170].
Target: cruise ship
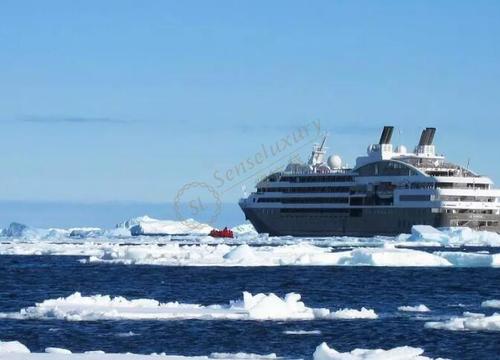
[387,192]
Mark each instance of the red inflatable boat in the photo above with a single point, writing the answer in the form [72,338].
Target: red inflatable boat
[224,233]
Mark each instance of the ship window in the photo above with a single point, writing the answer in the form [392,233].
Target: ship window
[386,168]
[312,200]
[415,197]
[356,212]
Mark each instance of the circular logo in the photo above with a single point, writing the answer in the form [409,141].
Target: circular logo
[199,201]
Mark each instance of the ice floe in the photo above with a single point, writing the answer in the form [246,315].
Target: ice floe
[468,259]
[302,332]
[417,308]
[468,322]
[324,352]
[56,350]
[9,347]
[491,304]
[450,237]
[244,255]
[251,307]
[354,314]
[14,350]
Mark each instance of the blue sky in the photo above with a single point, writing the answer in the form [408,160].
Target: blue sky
[125,100]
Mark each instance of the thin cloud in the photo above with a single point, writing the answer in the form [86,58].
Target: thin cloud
[72,120]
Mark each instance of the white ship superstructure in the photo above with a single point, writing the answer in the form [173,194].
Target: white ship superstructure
[388,191]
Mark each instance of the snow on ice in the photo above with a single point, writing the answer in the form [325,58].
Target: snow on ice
[252,307]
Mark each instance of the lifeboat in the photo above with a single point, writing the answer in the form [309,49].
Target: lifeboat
[224,233]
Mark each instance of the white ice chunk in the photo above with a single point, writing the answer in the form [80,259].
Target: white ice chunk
[469,321]
[302,332]
[56,350]
[467,236]
[491,303]
[466,259]
[354,314]
[417,308]
[323,352]
[244,229]
[393,257]
[427,233]
[10,347]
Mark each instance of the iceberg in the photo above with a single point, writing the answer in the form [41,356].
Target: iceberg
[146,225]
[85,232]
[427,233]
[259,307]
[16,230]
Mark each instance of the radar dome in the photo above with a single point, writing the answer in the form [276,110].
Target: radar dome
[335,162]
[401,149]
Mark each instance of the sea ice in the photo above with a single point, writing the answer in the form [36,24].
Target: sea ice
[244,255]
[417,308]
[469,321]
[252,307]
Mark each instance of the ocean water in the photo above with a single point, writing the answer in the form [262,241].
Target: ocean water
[25,280]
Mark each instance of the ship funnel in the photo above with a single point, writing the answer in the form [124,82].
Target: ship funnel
[427,137]
[386,136]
